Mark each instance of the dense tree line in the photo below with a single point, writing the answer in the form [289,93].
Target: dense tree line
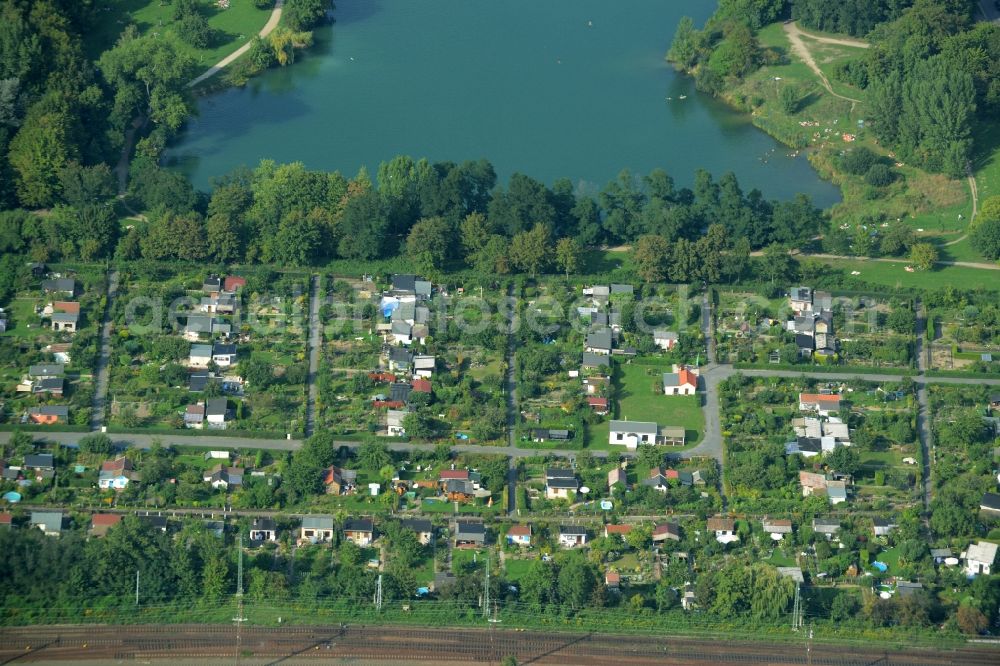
[446,215]
[854,17]
[931,75]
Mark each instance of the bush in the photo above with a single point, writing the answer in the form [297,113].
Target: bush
[96,443]
[880,478]
[879,175]
[858,161]
[789,99]
[194,30]
[986,238]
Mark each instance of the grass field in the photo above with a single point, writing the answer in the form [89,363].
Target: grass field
[640,398]
[234,26]
[516,569]
[24,323]
[987,161]
[929,202]
[892,274]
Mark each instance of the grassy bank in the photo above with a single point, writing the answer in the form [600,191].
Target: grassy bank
[233,26]
[826,126]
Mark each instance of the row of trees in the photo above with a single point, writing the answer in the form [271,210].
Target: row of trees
[444,215]
[854,17]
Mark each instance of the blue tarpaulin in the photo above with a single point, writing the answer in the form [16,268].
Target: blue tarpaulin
[388,306]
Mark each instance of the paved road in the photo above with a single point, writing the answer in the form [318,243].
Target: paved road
[221,442]
[711,375]
[272,23]
[711,443]
[104,357]
[315,340]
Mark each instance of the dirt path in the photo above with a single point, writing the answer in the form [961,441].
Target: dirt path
[891,260]
[974,189]
[840,41]
[315,341]
[800,49]
[122,168]
[271,24]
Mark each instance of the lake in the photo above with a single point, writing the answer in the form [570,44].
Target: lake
[550,88]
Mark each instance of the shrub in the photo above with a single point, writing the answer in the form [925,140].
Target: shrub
[789,99]
[858,161]
[879,175]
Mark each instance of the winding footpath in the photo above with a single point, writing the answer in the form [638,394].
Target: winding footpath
[121,169]
[800,49]
[272,23]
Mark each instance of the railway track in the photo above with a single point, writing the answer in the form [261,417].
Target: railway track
[265,645]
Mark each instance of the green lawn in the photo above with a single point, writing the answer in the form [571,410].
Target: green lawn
[23,322]
[889,557]
[423,573]
[460,559]
[892,274]
[640,398]
[516,569]
[987,161]
[234,26]
[781,559]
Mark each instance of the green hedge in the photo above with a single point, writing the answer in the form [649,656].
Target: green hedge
[958,374]
[9,427]
[833,369]
[172,432]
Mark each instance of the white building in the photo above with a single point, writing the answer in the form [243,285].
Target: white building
[631,434]
[423,366]
[571,536]
[394,422]
[724,529]
[979,558]
[200,356]
[664,339]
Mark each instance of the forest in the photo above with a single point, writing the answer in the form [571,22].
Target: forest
[60,109]
[932,74]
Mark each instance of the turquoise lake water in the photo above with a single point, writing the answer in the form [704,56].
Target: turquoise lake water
[550,88]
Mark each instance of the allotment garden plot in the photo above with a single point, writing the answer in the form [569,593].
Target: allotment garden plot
[401,359]
[963,332]
[197,350]
[49,336]
[795,445]
[803,326]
